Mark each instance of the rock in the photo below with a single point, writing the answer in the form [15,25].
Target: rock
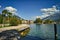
[9,35]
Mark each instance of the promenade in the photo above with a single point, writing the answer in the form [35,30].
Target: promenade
[19,27]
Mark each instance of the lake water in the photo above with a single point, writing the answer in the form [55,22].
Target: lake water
[34,32]
[42,32]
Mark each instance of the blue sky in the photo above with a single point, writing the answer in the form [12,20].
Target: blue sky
[28,9]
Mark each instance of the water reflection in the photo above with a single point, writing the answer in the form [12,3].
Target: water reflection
[47,30]
[24,32]
[44,31]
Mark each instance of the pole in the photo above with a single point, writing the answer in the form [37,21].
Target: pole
[55,30]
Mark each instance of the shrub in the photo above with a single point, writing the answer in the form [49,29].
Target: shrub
[14,22]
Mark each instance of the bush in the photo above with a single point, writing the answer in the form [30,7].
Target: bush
[14,22]
[38,20]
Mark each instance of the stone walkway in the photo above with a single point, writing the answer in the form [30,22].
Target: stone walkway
[19,27]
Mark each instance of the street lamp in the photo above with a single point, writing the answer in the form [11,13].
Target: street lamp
[55,31]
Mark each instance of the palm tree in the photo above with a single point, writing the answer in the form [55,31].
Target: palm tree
[4,15]
[1,19]
[7,14]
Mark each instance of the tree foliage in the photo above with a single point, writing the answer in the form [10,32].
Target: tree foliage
[8,18]
[14,21]
[38,20]
[1,19]
[47,21]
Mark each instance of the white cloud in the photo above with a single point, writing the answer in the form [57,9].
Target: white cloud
[37,16]
[49,11]
[53,9]
[11,9]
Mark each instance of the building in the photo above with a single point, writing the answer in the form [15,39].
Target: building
[27,22]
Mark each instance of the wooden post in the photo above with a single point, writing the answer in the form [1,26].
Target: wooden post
[55,31]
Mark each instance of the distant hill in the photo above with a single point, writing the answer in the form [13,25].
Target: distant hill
[54,17]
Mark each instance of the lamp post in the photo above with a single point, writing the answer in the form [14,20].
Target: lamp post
[55,31]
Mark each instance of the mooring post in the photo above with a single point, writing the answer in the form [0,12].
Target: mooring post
[55,30]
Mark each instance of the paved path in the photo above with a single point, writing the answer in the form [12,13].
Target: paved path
[19,27]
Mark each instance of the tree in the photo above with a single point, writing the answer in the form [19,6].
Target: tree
[7,14]
[48,21]
[11,19]
[4,15]
[38,20]
[1,19]
[4,12]
[14,21]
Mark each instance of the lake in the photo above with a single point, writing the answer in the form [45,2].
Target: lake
[42,32]
[34,32]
